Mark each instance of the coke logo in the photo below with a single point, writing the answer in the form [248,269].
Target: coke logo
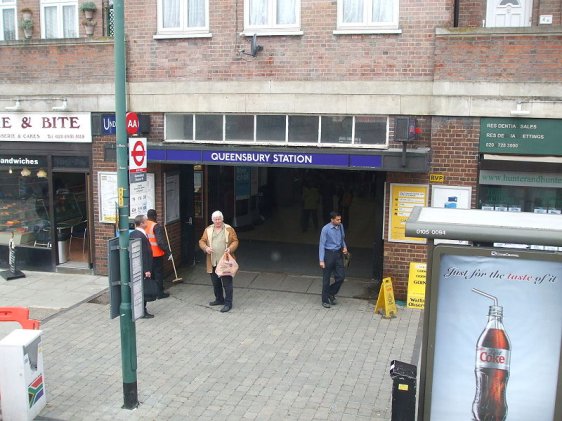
[491,358]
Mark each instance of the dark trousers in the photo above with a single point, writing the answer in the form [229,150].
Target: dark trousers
[333,263]
[220,283]
[158,273]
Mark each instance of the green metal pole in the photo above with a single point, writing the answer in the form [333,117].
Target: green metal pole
[128,332]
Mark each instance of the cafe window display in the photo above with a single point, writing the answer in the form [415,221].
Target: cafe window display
[24,207]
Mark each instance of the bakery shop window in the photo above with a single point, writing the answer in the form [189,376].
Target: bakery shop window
[24,199]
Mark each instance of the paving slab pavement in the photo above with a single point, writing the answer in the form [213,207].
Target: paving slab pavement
[278,355]
[47,293]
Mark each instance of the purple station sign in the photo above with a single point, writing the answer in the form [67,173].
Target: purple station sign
[272,158]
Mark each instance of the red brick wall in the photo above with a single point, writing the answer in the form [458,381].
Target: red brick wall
[316,55]
[62,61]
[502,58]
[454,148]
[103,232]
[454,143]
[397,256]
[548,7]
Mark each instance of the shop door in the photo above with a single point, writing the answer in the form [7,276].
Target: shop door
[191,191]
[71,209]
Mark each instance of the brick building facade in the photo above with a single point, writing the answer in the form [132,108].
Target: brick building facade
[447,66]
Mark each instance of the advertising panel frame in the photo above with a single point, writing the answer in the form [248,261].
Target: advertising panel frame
[518,315]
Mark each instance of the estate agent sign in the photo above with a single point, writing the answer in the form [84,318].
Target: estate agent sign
[521,136]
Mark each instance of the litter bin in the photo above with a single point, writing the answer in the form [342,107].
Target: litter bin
[22,384]
[63,234]
[403,391]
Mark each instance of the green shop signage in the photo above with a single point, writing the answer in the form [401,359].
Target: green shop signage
[521,136]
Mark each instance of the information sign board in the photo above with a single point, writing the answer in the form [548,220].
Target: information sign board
[520,136]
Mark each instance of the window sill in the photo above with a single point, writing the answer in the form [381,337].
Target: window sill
[544,30]
[366,31]
[270,33]
[182,35]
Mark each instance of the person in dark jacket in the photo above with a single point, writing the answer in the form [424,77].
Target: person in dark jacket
[160,249]
[139,232]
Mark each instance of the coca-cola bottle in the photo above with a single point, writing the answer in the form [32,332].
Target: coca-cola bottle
[493,351]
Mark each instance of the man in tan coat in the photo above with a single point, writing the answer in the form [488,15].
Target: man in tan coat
[217,239]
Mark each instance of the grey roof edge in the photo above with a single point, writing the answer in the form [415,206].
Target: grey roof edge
[485,226]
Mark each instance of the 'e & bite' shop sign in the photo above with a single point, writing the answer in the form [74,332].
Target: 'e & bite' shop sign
[45,127]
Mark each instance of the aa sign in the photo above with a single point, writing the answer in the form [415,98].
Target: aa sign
[137,154]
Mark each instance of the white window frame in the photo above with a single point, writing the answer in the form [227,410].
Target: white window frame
[8,6]
[60,16]
[270,27]
[183,31]
[367,26]
[255,142]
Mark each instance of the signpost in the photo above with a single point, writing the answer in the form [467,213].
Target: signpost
[128,330]
[137,275]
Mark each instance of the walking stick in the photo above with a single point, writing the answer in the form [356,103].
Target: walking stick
[176,279]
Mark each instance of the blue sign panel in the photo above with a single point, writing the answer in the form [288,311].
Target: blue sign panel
[275,158]
[156,154]
[108,125]
[191,156]
[365,161]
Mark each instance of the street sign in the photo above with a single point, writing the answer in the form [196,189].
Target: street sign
[132,122]
[137,159]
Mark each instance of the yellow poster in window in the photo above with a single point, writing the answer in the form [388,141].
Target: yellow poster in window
[403,199]
[416,285]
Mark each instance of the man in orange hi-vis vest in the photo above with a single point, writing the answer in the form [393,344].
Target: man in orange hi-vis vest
[160,250]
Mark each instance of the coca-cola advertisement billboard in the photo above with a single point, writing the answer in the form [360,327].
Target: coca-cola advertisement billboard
[494,335]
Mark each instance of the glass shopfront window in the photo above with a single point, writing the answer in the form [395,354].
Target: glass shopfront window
[24,209]
[521,199]
[514,191]
[511,191]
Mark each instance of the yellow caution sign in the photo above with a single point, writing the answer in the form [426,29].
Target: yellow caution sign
[385,303]
[416,285]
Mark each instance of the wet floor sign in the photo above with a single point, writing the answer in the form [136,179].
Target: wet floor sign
[385,303]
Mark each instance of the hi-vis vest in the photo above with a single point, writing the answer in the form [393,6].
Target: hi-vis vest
[156,250]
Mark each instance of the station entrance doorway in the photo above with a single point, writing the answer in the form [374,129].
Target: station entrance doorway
[278,214]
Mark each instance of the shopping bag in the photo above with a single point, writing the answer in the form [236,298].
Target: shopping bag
[150,289]
[226,266]
[346,259]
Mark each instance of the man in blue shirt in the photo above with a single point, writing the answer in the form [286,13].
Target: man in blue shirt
[330,252]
